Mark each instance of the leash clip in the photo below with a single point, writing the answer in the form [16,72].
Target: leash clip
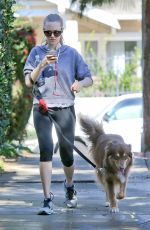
[100,170]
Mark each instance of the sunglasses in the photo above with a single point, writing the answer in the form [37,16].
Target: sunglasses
[56,33]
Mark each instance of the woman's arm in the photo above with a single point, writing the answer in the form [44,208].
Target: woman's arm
[33,76]
[77,85]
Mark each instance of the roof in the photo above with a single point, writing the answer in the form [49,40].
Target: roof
[98,15]
[109,16]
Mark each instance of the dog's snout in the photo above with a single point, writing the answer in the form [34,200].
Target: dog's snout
[122,163]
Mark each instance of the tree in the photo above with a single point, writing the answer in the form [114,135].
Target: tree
[146,75]
[145,60]
[124,4]
[83,3]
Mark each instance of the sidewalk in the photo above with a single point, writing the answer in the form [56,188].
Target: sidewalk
[21,196]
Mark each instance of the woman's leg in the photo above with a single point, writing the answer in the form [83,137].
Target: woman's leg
[65,129]
[43,126]
[69,172]
[45,173]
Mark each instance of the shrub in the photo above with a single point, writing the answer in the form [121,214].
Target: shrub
[1,166]
[107,83]
[6,67]
[16,99]
[24,40]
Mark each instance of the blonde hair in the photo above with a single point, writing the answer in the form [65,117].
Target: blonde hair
[54,18]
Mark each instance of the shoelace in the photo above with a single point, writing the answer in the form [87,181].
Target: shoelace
[46,201]
[70,192]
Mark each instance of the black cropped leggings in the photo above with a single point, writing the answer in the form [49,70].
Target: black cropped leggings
[65,120]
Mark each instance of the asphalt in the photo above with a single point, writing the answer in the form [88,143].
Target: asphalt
[21,196]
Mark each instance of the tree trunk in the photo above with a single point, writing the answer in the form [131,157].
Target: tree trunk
[146,76]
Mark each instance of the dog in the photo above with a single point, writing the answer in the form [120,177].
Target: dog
[113,159]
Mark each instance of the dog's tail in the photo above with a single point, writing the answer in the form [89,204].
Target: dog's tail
[92,128]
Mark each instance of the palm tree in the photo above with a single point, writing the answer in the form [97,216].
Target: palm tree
[123,4]
[127,4]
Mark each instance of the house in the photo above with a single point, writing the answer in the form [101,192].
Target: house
[109,33]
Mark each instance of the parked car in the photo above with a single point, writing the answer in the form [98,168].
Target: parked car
[123,116]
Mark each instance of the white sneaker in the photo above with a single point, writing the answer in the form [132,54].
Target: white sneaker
[47,208]
[71,199]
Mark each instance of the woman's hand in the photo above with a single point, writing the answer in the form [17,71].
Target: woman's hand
[76,87]
[48,59]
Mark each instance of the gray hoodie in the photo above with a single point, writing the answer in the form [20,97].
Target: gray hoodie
[56,79]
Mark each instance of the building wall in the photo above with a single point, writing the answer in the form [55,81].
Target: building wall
[88,30]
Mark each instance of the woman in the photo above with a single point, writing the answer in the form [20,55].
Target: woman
[55,78]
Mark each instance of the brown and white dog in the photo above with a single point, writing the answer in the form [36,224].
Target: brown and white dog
[113,159]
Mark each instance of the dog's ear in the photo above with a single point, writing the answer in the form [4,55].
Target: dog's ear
[107,147]
[130,151]
[130,147]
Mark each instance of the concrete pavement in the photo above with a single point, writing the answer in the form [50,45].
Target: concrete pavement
[21,196]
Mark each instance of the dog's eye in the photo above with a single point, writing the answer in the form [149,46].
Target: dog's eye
[124,156]
[117,156]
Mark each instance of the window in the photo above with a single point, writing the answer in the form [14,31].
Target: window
[128,109]
[91,52]
[129,50]
[119,53]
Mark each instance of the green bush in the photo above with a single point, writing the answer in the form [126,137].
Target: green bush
[1,166]
[24,40]
[107,83]
[128,81]
[16,98]
[6,66]
[12,150]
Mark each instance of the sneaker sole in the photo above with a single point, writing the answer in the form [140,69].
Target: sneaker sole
[69,205]
[45,213]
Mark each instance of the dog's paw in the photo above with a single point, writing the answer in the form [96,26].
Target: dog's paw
[120,196]
[107,204]
[114,209]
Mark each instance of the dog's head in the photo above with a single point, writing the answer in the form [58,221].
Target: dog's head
[118,155]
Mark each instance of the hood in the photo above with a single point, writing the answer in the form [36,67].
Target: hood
[45,49]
